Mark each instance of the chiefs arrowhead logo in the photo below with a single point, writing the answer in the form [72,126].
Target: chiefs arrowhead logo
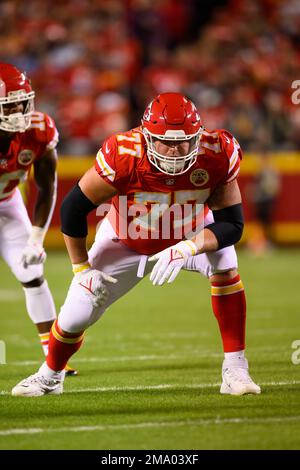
[199,177]
[148,113]
[26,157]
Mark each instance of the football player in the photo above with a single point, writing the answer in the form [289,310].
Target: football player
[27,138]
[168,165]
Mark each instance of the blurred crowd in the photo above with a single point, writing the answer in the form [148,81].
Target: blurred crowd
[95,64]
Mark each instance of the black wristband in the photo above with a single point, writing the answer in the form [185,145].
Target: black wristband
[228,225]
[73,213]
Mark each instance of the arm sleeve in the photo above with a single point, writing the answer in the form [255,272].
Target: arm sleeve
[228,225]
[73,213]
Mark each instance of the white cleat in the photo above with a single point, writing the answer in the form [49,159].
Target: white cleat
[236,378]
[37,385]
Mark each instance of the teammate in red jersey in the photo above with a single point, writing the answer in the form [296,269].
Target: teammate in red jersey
[27,138]
[174,196]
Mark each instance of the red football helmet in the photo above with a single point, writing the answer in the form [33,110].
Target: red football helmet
[15,88]
[172,117]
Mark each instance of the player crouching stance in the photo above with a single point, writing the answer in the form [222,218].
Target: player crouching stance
[168,162]
[28,139]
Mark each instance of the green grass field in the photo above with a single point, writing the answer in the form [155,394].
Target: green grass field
[150,369]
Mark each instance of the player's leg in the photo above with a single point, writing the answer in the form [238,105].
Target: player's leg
[40,306]
[41,309]
[77,314]
[229,307]
[15,230]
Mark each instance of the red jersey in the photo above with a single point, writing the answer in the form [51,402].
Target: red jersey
[152,210]
[25,148]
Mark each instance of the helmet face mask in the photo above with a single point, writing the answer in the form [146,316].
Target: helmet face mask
[178,163]
[172,128]
[15,89]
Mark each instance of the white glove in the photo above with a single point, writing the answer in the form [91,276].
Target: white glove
[93,282]
[34,252]
[170,262]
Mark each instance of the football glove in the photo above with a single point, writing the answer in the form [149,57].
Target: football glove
[34,252]
[170,262]
[93,283]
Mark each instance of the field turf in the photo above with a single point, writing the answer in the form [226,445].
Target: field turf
[150,369]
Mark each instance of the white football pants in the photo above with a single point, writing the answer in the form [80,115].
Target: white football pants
[111,256]
[15,228]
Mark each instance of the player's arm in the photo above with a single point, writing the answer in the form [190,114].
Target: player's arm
[87,195]
[227,228]
[45,179]
[84,197]
[46,182]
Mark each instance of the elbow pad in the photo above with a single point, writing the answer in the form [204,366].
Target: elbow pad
[73,213]
[228,225]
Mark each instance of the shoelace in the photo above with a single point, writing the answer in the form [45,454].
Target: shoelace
[239,374]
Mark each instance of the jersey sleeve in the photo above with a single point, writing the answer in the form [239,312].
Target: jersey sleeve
[44,132]
[232,149]
[52,133]
[110,166]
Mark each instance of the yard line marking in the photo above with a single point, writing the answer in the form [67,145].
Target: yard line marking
[150,424]
[170,334]
[262,331]
[140,388]
[11,295]
[152,357]
[9,432]
[23,363]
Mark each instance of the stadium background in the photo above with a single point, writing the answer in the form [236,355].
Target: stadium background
[150,370]
[95,65]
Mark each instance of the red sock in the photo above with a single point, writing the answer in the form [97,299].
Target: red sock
[229,307]
[61,347]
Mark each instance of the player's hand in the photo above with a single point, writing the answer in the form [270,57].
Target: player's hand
[33,254]
[93,283]
[170,262]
